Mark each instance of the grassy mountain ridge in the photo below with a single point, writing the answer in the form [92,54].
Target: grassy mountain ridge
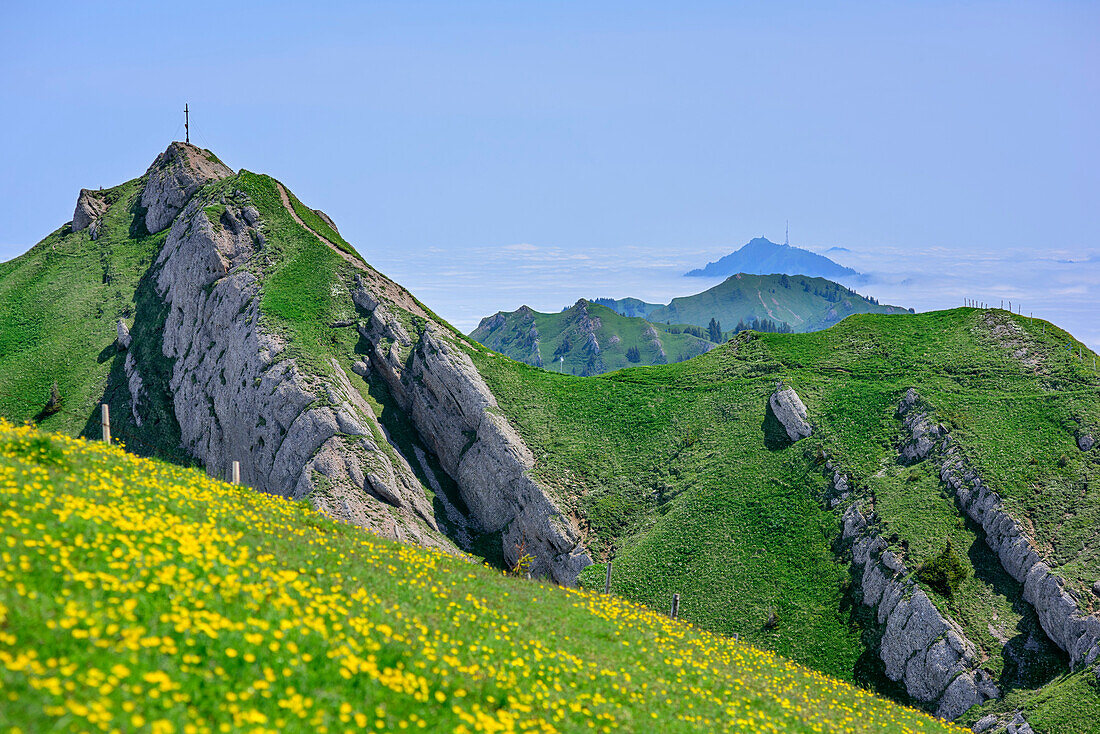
[596,336]
[802,302]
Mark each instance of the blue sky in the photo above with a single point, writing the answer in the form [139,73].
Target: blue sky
[491,154]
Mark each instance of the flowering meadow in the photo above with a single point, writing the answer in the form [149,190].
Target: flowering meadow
[141,596]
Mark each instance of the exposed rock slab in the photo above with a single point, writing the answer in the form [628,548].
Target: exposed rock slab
[788,409]
[458,417]
[90,206]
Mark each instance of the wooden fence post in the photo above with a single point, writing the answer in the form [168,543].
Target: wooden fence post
[607,580]
[675,606]
[105,422]
[235,475]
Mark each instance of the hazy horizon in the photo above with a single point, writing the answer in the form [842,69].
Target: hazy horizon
[490,155]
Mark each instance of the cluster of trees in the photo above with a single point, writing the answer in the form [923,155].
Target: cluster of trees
[765,325]
[713,332]
[693,330]
[831,294]
[633,356]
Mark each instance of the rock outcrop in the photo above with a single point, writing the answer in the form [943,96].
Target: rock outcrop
[456,414]
[1016,725]
[1071,629]
[791,413]
[327,220]
[123,338]
[90,206]
[237,397]
[173,179]
[920,648]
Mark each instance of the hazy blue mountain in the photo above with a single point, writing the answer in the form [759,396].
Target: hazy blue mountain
[761,256]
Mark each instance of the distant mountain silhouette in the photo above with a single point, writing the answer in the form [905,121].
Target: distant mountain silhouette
[764,257]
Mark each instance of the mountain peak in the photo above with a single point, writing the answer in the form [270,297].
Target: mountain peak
[174,176]
[761,256]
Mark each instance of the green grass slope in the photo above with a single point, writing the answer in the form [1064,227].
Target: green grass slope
[585,339]
[59,304]
[675,474]
[141,596]
[802,302]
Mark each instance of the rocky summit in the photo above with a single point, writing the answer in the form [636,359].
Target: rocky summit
[212,368]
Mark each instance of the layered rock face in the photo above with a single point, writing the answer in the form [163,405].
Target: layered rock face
[921,648]
[456,414]
[236,398]
[1074,631]
[173,179]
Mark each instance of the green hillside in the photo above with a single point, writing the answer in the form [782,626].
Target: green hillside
[673,471]
[139,596]
[802,302]
[585,339]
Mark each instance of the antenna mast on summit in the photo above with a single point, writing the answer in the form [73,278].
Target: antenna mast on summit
[186,124]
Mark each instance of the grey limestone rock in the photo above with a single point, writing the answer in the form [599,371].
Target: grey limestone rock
[90,206]
[984,724]
[1019,725]
[123,339]
[1085,441]
[920,647]
[458,417]
[236,397]
[135,385]
[791,413]
[175,176]
[924,434]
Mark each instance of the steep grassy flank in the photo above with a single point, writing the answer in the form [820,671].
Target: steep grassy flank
[59,304]
[138,595]
[804,303]
[541,339]
[678,475]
